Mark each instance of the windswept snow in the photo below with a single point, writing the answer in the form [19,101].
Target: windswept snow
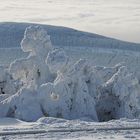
[47,83]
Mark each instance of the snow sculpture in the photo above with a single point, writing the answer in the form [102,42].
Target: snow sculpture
[33,71]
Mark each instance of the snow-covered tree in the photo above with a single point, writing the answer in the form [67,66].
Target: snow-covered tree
[69,94]
[33,71]
[119,97]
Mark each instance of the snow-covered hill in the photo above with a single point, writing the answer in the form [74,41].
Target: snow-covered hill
[12,33]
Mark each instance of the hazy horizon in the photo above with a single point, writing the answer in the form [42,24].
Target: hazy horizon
[118,19]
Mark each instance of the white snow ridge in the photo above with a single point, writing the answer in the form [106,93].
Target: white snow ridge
[47,84]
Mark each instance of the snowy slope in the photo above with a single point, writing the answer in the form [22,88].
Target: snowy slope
[97,56]
[12,33]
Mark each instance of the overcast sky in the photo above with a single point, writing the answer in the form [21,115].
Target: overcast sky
[113,18]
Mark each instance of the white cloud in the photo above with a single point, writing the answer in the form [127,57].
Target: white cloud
[115,18]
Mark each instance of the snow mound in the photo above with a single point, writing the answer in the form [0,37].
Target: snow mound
[46,84]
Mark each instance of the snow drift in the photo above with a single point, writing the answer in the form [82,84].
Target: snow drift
[46,83]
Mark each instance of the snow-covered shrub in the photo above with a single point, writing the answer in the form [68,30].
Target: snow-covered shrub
[120,97]
[68,96]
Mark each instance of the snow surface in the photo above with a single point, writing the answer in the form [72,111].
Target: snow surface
[55,128]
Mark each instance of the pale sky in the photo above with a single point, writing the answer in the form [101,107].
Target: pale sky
[114,18]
